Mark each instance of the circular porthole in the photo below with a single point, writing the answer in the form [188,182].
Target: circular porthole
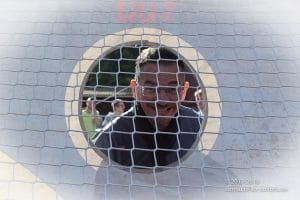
[104,76]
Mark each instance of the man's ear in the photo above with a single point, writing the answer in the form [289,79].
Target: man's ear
[184,91]
[133,88]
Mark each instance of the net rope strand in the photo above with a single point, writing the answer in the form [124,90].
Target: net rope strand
[116,92]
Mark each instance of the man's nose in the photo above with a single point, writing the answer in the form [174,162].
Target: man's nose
[164,96]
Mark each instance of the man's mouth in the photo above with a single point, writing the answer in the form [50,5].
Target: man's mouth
[164,110]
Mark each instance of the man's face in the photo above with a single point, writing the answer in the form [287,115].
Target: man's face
[162,90]
[89,104]
[120,108]
[201,104]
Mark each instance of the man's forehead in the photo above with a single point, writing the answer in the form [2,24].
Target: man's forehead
[90,100]
[161,67]
[161,79]
[166,73]
[169,70]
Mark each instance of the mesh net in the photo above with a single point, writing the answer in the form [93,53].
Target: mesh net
[155,97]
[251,91]
[161,123]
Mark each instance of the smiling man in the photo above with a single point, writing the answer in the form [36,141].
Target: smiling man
[157,130]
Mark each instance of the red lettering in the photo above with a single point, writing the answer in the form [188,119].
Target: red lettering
[132,13]
[169,5]
[121,12]
[137,11]
[151,16]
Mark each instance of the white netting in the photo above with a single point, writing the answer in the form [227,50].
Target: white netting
[246,54]
[149,107]
[162,86]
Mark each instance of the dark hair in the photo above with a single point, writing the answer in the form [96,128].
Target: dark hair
[161,55]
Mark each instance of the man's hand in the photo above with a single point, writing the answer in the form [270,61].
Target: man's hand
[97,120]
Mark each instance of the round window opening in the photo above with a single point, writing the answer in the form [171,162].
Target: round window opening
[143,105]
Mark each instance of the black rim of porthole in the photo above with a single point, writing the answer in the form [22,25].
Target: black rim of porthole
[140,45]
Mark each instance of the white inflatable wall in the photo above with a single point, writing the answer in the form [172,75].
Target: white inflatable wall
[248,53]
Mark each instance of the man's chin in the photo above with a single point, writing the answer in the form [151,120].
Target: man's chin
[162,123]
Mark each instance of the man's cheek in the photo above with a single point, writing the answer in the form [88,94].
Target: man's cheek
[149,109]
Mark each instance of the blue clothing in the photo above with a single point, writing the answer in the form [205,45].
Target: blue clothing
[131,140]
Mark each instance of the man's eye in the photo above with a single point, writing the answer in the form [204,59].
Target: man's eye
[151,89]
[170,90]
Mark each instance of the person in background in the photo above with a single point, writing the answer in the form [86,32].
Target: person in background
[200,99]
[118,108]
[90,116]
